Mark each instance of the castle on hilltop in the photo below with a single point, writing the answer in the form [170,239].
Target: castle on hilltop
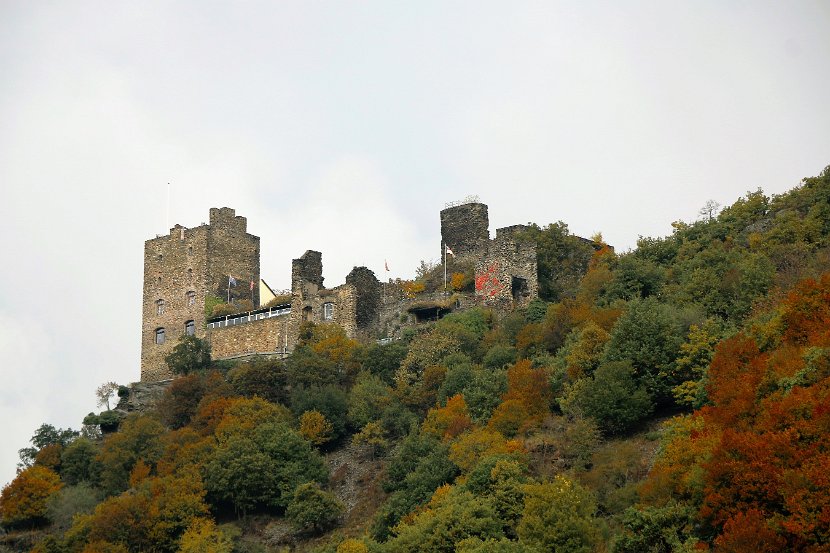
[190,269]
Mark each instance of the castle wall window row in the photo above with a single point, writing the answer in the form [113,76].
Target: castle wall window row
[191,298]
[159,336]
[159,307]
[190,328]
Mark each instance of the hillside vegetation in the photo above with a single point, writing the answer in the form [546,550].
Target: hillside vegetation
[675,398]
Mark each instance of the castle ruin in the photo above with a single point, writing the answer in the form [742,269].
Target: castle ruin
[191,268]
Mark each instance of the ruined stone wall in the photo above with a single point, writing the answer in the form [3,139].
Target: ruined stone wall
[368,290]
[307,269]
[465,229]
[312,308]
[506,275]
[174,265]
[232,251]
[260,336]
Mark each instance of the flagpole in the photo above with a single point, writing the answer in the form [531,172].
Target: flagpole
[445,267]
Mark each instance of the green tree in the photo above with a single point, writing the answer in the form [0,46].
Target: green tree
[383,360]
[191,354]
[558,516]
[138,439]
[611,397]
[666,529]
[492,545]
[647,335]
[313,509]
[371,436]
[45,435]
[456,379]
[635,277]
[693,361]
[260,467]
[483,392]
[562,259]
[70,501]
[368,399]
[452,516]
[330,400]
[501,478]
[421,465]
[500,356]
[265,378]
[584,354]
[78,462]
[181,399]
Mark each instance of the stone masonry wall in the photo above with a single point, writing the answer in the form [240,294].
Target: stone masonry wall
[261,336]
[174,265]
[232,251]
[197,261]
[368,290]
[311,308]
[465,228]
[307,268]
[506,275]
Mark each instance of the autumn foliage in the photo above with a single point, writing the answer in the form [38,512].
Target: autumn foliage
[23,501]
[757,460]
[526,401]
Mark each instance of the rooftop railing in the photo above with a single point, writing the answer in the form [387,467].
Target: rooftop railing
[250,316]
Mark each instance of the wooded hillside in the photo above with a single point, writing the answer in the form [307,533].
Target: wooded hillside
[675,398]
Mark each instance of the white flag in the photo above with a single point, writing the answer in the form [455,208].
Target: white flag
[449,251]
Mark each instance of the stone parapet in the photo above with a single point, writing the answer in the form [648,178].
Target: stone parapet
[258,336]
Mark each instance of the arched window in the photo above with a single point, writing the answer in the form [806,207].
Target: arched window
[190,272]
[190,328]
[307,313]
[190,250]
[159,307]
[191,298]
[159,336]
[328,311]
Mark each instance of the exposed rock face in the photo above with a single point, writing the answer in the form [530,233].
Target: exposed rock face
[143,396]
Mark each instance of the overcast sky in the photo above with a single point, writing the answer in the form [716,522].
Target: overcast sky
[345,127]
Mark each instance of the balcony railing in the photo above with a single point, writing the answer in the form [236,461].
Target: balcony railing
[248,317]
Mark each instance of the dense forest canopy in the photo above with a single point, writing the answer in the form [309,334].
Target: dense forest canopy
[672,398]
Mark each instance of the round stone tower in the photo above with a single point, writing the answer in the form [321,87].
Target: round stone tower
[465,228]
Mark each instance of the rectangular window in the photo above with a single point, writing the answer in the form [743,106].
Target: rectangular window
[328,311]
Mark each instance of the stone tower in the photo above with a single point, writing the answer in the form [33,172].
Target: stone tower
[465,228]
[181,270]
